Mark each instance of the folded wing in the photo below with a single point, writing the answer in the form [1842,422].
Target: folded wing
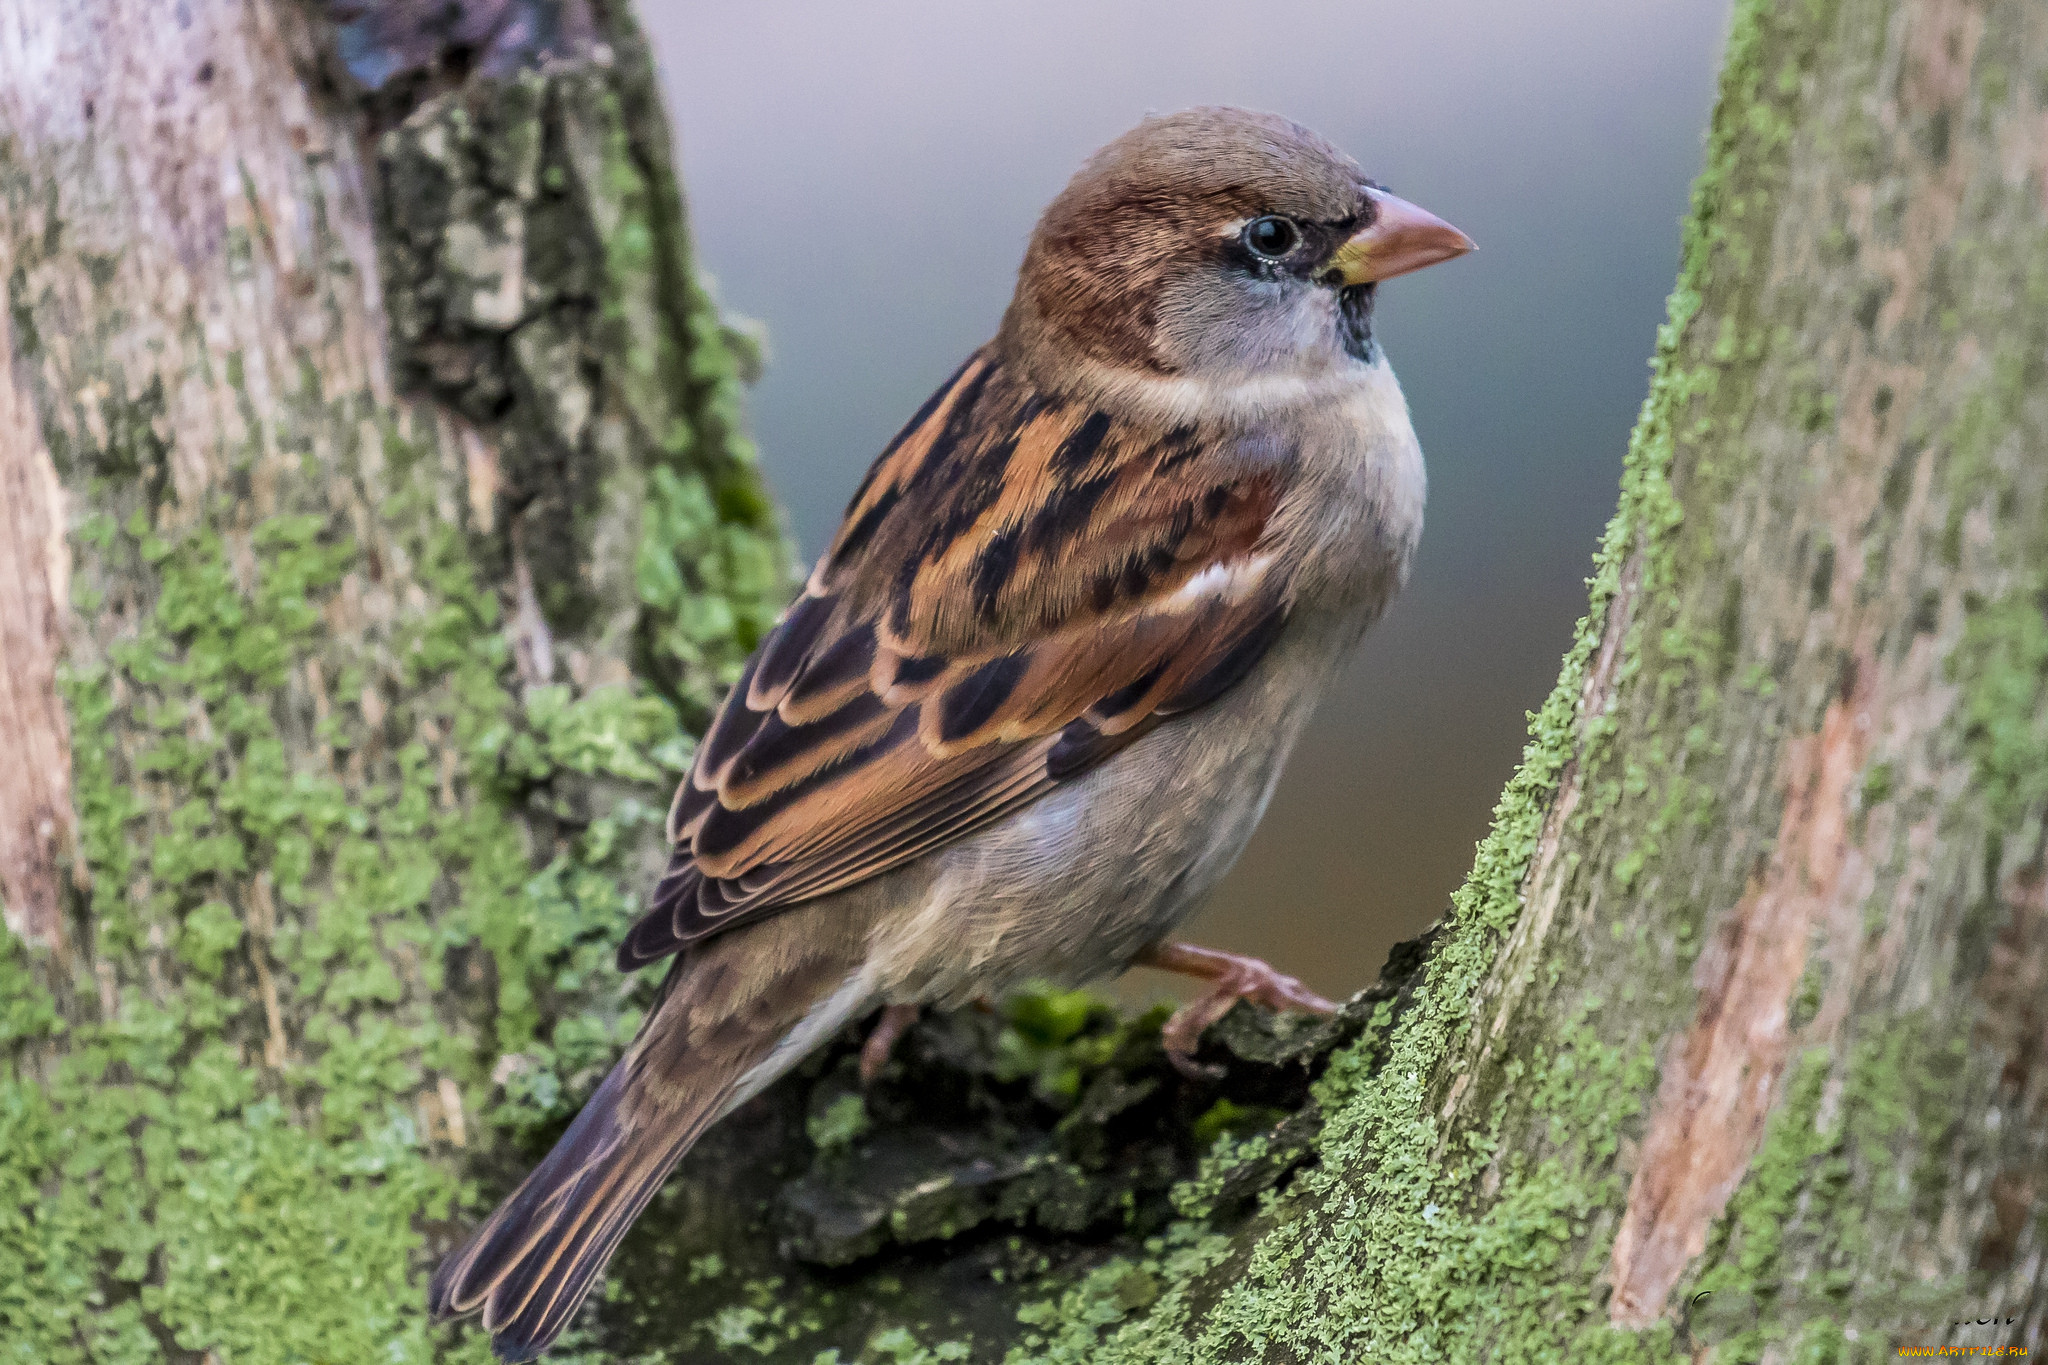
[1022,587]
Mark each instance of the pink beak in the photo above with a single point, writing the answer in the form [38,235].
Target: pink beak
[1400,239]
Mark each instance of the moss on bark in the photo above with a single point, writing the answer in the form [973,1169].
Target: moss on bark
[377,693]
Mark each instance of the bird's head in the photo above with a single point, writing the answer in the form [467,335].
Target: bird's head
[1215,243]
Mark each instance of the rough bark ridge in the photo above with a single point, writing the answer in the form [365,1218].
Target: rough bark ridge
[1730,1050]
[362,426]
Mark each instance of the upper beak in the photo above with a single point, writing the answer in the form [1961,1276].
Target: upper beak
[1401,238]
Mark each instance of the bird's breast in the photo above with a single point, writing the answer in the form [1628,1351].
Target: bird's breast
[1352,514]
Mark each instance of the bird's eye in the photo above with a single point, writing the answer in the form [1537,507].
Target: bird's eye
[1271,237]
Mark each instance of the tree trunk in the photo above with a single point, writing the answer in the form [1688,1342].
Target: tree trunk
[375,516]
[370,667]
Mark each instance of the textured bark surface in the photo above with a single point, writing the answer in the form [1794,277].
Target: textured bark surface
[36,826]
[406,530]
[365,440]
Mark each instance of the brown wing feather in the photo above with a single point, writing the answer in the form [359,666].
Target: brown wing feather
[1021,587]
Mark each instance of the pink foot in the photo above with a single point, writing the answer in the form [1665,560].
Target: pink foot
[1236,978]
[874,1053]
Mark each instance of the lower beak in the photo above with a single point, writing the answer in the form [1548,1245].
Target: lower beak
[1401,238]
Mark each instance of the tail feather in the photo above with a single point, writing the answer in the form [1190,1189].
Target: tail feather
[532,1264]
[733,1015]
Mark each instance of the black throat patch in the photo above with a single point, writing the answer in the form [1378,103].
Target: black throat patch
[1354,320]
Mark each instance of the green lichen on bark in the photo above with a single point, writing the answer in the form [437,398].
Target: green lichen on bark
[349,872]
[2002,659]
[262,1181]
[1805,1242]
[540,281]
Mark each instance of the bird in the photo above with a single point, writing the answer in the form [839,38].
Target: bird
[1034,698]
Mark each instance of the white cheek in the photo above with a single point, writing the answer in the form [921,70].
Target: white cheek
[1314,319]
[1283,326]
[1235,328]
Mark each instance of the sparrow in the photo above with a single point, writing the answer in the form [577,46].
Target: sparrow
[1035,697]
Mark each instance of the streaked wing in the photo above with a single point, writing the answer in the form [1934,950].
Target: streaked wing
[1021,587]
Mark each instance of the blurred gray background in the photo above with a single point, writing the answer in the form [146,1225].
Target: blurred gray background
[862,179]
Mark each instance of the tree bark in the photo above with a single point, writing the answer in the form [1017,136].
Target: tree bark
[375,518]
[375,510]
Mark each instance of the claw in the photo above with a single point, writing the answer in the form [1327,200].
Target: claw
[1236,978]
[874,1053]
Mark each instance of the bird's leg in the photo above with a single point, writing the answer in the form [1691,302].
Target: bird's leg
[874,1053]
[1236,978]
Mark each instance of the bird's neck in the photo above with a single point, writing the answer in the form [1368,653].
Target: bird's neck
[1155,396]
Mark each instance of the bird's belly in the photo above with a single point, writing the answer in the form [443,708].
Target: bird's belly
[1074,886]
